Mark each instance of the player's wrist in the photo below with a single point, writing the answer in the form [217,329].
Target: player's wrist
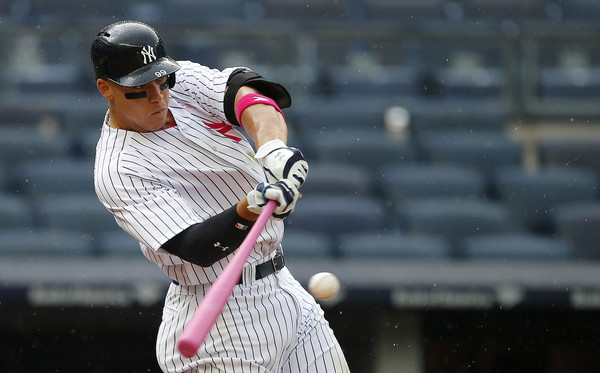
[243,212]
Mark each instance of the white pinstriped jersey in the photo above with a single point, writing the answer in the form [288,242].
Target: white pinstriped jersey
[157,184]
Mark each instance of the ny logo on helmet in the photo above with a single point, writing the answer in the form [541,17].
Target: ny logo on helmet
[148,53]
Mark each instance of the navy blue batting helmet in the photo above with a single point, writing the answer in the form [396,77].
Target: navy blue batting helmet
[131,54]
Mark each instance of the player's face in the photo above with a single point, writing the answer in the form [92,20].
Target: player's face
[141,109]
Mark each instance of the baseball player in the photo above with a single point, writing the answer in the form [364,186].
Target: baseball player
[177,175]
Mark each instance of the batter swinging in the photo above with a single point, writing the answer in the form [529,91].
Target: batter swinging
[178,176]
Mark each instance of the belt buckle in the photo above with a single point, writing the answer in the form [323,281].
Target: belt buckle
[276,269]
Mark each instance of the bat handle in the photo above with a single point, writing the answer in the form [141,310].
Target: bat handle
[216,297]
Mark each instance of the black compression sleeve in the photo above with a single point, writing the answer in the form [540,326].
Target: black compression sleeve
[210,241]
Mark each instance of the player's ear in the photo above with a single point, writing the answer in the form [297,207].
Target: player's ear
[104,88]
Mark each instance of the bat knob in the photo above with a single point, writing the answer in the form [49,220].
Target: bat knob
[187,348]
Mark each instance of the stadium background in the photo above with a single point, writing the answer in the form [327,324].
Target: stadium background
[454,148]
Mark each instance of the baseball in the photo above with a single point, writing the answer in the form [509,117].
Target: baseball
[324,285]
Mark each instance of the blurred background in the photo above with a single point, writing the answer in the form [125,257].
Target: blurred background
[454,149]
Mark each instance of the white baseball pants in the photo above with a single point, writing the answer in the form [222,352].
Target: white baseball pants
[268,325]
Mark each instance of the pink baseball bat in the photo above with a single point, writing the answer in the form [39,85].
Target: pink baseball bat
[207,312]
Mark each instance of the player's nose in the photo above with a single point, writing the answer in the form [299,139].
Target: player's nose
[154,92]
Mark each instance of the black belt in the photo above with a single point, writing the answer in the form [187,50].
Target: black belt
[265,269]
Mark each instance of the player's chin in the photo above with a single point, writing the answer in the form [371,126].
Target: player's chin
[156,121]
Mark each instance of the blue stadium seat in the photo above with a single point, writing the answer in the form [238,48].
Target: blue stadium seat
[29,243]
[20,143]
[394,244]
[45,177]
[403,10]
[318,10]
[116,242]
[337,178]
[515,246]
[367,149]
[306,244]
[78,212]
[379,81]
[484,150]
[4,180]
[457,115]
[334,215]
[15,212]
[327,115]
[581,10]
[565,83]
[532,196]
[455,220]
[503,10]
[84,119]
[571,153]
[578,224]
[86,140]
[68,12]
[401,183]
[567,71]
[482,82]
[462,69]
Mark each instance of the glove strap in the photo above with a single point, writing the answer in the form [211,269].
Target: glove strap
[268,147]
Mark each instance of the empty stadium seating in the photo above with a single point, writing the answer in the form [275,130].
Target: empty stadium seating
[571,153]
[455,220]
[486,151]
[4,180]
[393,245]
[515,246]
[456,66]
[369,148]
[116,242]
[532,196]
[34,243]
[452,256]
[338,179]
[58,176]
[24,142]
[15,212]
[578,224]
[81,212]
[307,244]
[404,183]
[338,214]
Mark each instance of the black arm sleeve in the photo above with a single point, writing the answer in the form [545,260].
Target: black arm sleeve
[210,241]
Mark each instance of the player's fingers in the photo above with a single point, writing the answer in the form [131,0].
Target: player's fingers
[272,194]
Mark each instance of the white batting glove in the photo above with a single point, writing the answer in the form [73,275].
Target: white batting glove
[280,161]
[284,192]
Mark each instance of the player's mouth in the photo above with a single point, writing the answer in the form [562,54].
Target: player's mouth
[158,112]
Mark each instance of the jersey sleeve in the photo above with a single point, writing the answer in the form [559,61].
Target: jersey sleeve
[151,212]
[156,217]
[199,85]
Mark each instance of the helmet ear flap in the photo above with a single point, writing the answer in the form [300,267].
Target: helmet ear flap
[171,80]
